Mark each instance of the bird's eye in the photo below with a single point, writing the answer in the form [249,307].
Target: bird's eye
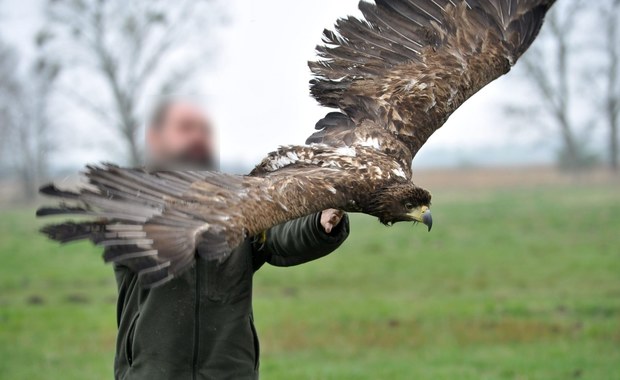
[409,205]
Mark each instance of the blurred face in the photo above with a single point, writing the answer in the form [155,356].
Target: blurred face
[183,139]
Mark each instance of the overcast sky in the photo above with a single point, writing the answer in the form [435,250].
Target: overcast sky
[257,92]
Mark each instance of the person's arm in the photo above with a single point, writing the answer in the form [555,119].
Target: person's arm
[299,241]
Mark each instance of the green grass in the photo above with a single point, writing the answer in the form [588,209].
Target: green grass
[520,284]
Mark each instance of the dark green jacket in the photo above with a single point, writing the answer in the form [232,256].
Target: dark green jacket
[200,325]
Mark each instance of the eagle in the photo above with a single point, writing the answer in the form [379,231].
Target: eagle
[395,75]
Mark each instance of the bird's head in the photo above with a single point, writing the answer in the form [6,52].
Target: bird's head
[401,203]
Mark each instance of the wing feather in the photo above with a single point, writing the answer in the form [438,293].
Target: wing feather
[154,222]
[410,63]
[136,219]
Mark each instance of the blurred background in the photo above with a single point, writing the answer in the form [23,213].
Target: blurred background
[519,279]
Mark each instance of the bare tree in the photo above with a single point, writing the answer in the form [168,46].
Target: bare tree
[9,88]
[549,68]
[134,49]
[25,131]
[610,14]
[34,142]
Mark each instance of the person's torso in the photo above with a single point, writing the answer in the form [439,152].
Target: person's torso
[197,326]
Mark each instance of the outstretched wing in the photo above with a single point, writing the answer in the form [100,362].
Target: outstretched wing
[143,219]
[411,63]
[153,222]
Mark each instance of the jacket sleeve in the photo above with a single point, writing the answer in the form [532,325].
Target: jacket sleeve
[299,241]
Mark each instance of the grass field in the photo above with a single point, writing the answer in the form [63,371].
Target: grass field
[510,284]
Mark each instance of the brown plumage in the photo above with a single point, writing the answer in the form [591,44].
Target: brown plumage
[396,77]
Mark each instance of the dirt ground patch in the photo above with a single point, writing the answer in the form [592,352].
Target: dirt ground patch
[508,178]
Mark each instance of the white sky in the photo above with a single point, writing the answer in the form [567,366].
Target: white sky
[258,94]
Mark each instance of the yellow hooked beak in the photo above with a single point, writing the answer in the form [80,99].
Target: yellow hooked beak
[422,214]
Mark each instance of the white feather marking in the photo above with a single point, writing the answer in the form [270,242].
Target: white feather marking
[346,151]
[293,156]
[280,162]
[410,85]
[399,172]
[283,206]
[371,142]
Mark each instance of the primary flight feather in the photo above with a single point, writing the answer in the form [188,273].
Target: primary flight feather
[396,76]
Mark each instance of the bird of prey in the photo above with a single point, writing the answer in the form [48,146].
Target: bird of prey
[395,76]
